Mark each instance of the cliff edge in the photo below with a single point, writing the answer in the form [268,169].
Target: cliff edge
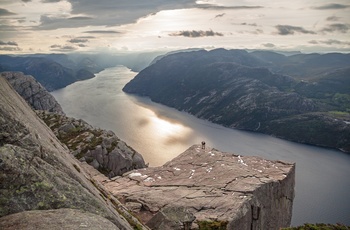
[33,92]
[206,189]
[36,170]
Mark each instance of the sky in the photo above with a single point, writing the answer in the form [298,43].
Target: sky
[64,26]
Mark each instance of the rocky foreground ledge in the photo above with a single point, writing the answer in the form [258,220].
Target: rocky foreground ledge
[208,189]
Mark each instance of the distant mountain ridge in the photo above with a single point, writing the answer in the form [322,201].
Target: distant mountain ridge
[253,91]
[49,72]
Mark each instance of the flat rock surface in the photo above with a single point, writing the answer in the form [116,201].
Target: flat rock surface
[67,219]
[211,185]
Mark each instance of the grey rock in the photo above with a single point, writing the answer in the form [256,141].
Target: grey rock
[100,148]
[237,192]
[172,218]
[33,92]
[68,219]
[37,171]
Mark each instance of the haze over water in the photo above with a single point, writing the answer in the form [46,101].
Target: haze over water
[161,133]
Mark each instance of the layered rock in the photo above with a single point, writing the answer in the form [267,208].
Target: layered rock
[33,92]
[100,148]
[217,189]
[37,172]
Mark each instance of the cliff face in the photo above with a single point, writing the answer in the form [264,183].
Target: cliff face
[36,170]
[33,92]
[206,188]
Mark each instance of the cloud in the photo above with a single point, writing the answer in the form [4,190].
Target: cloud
[196,33]
[49,1]
[219,7]
[102,32]
[269,45]
[248,24]
[9,48]
[4,12]
[8,43]
[220,15]
[78,40]
[26,0]
[332,18]
[290,30]
[80,18]
[331,6]
[330,42]
[61,48]
[337,27]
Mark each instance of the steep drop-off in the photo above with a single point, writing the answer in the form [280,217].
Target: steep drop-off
[36,170]
[208,189]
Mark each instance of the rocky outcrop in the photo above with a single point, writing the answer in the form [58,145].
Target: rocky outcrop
[37,172]
[55,220]
[33,92]
[209,189]
[100,148]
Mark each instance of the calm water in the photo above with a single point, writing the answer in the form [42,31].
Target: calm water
[160,133]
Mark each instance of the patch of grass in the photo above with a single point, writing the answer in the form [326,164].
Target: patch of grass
[212,225]
[319,226]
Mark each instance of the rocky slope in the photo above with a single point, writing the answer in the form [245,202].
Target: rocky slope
[37,172]
[100,148]
[237,89]
[209,189]
[33,92]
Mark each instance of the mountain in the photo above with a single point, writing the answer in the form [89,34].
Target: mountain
[238,89]
[50,73]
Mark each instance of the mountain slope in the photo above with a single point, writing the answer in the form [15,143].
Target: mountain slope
[48,72]
[36,170]
[233,88]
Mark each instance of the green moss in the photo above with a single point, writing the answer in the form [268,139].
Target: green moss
[212,225]
[319,227]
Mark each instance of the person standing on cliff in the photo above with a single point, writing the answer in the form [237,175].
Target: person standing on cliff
[203,144]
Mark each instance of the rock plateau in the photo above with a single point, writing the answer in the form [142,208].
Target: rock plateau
[206,188]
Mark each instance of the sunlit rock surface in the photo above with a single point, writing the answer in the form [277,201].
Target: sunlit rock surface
[229,190]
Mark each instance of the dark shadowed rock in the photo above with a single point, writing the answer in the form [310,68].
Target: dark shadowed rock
[33,92]
[218,189]
[67,219]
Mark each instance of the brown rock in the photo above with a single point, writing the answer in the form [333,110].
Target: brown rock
[235,191]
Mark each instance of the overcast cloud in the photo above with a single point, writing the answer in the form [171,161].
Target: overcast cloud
[28,26]
[196,33]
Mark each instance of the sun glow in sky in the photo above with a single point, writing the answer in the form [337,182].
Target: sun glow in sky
[42,26]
